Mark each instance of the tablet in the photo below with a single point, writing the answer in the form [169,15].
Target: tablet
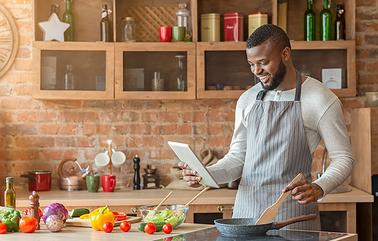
[185,154]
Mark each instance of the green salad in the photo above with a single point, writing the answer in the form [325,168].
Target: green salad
[173,217]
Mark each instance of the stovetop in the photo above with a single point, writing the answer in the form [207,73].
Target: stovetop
[212,234]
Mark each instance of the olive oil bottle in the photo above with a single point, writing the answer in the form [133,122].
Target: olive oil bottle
[9,194]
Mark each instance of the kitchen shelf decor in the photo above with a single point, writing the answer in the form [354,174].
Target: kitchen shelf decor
[208,69]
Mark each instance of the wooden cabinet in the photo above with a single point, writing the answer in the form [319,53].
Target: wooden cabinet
[136,64]
[212,69]
[73,70]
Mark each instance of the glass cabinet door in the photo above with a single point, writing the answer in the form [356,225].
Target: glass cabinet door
[68,72]
[155,70]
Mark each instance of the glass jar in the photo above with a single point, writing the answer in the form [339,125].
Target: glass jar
[128,30]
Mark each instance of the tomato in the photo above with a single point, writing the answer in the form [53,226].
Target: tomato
[3,228]
[125,226]
[28,224]
[27,212]
[120,216]
[167,228]
[107,227]
[150,228]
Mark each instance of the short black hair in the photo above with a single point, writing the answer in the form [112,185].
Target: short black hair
[269,32]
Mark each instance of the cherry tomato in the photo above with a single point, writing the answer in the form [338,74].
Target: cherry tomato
[27,212]
[125,226]
[150,228]
[107,227]
[167,228]
[28,224]
[3,228]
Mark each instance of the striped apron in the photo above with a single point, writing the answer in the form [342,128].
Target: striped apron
[277,150]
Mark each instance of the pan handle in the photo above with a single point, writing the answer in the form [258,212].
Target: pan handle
[281,224]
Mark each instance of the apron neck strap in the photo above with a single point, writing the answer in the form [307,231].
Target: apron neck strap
[298,89]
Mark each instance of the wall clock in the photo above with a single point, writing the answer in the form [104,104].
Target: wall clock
[8,40]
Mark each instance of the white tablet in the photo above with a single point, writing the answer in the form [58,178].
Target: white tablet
[185,154]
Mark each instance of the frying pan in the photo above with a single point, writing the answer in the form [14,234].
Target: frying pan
[242,227]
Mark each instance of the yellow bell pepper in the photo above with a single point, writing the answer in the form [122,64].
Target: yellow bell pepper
[100,216]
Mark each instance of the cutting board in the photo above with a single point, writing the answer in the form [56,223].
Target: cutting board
[77,222]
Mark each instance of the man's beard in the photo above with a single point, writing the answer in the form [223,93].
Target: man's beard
[277,78]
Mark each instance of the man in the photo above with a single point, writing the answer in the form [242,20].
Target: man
[278,124]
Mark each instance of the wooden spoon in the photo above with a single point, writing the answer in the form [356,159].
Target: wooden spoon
[163,200]
[196,196]
[271,212]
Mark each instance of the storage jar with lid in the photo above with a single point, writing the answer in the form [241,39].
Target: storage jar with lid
[255,21]
[233,27]
[128,30]
[183,19]
[210,27]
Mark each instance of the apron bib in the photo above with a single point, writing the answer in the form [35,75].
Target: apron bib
[277,150]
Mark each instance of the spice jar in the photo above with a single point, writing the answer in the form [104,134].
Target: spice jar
[210,27]
[233,27]
[128,32]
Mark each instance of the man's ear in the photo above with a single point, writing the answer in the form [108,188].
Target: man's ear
[286,54]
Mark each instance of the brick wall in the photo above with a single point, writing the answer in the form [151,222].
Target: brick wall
[39,134]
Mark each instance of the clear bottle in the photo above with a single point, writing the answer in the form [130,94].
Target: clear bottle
[183,19]
[340,22]
[69,82]
[55,9]
[157,83]
[326,22]
[105,24]
[68,18]
[180,81]
[9,194]
[128,29]
[309,22]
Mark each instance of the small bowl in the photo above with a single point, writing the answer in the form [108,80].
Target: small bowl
[372,98]
[175,216]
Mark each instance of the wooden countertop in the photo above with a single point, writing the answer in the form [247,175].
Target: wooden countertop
[84,234]
[88,234]
[154,196]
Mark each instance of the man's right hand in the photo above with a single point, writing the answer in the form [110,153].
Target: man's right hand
[189,175]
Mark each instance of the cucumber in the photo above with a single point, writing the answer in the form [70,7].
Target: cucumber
[141,226]
[77,212]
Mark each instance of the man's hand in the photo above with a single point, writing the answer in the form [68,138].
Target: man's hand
[304,192]
[189,175]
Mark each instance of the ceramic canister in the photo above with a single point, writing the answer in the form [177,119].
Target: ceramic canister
[233,26]
[255,21]
[210,27]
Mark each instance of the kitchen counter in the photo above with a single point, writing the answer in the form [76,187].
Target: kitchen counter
[186,232]
[154,196]
[212,201]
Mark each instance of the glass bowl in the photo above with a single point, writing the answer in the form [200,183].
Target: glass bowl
[172,214]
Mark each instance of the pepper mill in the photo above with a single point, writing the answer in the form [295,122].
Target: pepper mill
[34,204]
[136,161]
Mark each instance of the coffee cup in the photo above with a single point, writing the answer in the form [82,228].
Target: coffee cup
[165,33]
[108,183]
[93,182]
[178,33]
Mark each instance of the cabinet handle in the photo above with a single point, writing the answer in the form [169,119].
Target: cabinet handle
[221,208]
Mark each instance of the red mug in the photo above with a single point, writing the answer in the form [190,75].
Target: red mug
[165,33]
[108,183]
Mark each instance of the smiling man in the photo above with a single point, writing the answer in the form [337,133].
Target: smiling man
[278,125]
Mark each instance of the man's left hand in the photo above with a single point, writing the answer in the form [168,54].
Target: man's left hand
[304,192]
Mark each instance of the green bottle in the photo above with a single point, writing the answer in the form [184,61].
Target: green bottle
[309,22]
[68,18]
[9,194]
[326,22]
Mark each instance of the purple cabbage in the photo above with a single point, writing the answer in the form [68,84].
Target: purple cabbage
[55,209]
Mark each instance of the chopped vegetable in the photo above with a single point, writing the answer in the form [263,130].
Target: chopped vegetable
[77,212]
[173,217]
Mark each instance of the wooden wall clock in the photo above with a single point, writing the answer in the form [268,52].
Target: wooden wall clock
[8,40]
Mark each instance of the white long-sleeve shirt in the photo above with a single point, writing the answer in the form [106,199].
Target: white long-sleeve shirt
[323,119]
